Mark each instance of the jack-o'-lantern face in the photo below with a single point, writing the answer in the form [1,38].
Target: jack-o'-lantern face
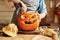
[28,21]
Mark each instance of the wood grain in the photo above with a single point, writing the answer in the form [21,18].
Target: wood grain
[26,37]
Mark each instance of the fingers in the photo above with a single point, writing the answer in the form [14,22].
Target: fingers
[23,9]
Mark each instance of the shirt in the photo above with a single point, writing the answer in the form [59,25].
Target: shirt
[35,5]
[42,7]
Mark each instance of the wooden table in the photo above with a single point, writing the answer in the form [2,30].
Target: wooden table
[26,37]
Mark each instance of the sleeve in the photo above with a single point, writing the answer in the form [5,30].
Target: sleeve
[42,7]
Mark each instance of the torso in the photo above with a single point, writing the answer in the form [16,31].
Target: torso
[31,4]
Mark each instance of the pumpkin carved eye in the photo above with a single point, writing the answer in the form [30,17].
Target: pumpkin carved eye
[25,16]
[33,16]
[22,17]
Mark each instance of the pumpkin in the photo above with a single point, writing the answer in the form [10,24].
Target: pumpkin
[10,30]
[28,21]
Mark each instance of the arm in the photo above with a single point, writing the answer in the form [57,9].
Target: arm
[42,9]
[23,8]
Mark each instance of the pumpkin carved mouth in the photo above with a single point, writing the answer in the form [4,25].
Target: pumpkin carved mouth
[27,22]
[30,22]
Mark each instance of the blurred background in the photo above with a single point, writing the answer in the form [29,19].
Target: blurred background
[52,17]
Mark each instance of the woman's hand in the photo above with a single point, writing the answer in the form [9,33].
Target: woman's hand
[38,16]
[41,15]
[24,7]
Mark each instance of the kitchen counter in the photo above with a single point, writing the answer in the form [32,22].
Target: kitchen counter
[22,36]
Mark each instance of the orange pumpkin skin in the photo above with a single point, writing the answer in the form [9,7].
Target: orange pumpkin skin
[28,21]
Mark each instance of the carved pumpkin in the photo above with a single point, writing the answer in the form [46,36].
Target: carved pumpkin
[28,21]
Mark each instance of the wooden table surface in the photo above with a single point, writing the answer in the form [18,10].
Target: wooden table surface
[26,37]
